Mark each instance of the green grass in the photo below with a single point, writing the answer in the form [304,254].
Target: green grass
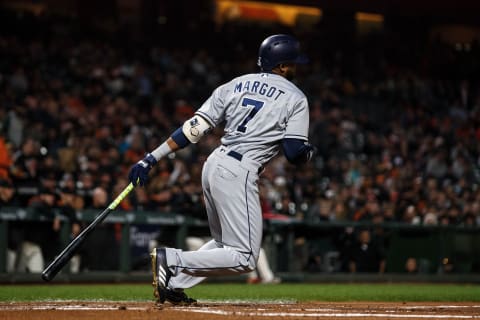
[229,292]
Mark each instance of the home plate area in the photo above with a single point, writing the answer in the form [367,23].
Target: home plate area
[238,310]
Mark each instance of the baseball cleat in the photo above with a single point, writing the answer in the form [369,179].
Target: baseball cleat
[161,274]
[178,297]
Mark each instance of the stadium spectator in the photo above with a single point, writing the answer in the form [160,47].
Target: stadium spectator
[105,239]
[68,204]
[411,266]
[366,255]
[5,158]
[8,199]
[25,169]
[40,239]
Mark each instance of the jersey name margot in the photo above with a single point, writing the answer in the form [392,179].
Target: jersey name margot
[258,87]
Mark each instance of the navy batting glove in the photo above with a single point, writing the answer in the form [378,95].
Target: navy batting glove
[138,174]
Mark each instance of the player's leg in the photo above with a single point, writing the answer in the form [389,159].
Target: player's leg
[168,287]
[186,280]
[183,280]
[235,192]
[234,214]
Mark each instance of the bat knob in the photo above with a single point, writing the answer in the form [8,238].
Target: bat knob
[46,276]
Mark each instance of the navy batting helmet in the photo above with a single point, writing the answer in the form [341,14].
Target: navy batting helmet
[278,49]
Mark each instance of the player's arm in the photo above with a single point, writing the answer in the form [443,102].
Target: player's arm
[295,144]
[297,151]
[191,132]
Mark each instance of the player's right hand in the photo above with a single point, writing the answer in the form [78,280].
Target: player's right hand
[138,174]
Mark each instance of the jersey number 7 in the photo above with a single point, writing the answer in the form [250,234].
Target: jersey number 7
[256,104]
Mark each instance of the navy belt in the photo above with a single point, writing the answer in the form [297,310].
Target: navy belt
[235,154]
[239,156]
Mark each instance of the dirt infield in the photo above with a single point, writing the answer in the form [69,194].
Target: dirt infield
[212,310]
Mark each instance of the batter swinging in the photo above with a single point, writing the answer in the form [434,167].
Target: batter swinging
[262,112]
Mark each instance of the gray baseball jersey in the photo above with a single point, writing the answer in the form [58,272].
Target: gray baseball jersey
[259,111]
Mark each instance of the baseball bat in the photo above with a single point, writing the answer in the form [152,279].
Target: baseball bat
[61,260]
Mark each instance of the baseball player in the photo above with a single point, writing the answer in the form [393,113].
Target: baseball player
[262,112]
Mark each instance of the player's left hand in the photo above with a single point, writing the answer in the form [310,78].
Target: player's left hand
[138,174]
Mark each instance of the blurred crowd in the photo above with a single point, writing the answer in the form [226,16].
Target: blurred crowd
[397,133]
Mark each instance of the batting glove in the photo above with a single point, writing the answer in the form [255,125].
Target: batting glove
[138,174]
